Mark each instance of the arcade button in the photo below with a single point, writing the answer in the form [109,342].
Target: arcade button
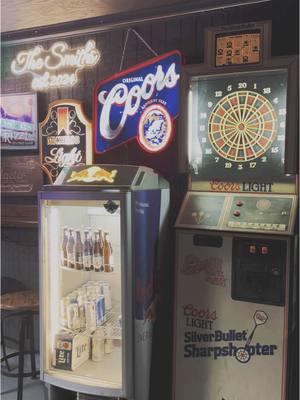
[236,213]
[252,249]
[264,250]
[275,271]
[239,203]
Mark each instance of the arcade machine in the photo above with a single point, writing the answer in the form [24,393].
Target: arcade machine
[235,296]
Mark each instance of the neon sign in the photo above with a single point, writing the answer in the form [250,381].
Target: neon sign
[93,174]
[56,67]
[140,102]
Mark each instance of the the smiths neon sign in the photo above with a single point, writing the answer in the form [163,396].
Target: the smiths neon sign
[56,67]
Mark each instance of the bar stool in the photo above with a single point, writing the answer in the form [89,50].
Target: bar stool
[23,305]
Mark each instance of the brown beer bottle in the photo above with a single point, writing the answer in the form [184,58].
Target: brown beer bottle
[101,242]
[64,255]
[71,249]
[78,251]
[107,254]
[96,252]
[87,256]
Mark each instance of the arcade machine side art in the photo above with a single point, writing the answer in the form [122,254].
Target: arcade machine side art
[236,237]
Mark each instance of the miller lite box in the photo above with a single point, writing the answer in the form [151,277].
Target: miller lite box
[71,350]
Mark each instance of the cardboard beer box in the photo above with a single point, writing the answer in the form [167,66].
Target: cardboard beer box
[71,350]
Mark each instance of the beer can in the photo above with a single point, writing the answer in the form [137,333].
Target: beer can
[90,292]
[107,294]
[108,343]
[72,298]
[73,316]
[81,291]
[64,302]
[100,310]
[90,316]
[82,317]
[98,345]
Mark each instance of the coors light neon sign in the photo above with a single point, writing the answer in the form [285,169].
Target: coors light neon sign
[140,102]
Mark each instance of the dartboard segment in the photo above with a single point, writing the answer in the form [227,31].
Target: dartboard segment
[242,126]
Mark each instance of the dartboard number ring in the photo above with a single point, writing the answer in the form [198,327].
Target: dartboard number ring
[242,126]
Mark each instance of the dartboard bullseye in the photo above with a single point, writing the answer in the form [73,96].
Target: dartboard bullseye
[242,126]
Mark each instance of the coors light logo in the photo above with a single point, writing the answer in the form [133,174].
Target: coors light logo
[139,102]
[65,137]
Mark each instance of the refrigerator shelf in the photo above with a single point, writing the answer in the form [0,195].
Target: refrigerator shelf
[90,271]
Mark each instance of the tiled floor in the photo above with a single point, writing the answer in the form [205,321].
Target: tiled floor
[33,389]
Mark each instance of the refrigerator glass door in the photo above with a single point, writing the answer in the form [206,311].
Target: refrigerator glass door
[81,291]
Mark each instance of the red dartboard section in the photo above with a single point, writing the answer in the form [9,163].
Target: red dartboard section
[242,126]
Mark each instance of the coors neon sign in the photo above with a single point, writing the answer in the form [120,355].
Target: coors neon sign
[140,102]
[56,67]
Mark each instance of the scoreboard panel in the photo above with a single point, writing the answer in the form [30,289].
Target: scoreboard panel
[238,48]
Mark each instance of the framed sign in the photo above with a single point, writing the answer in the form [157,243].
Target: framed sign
[19,121]
[140,102]
[65,137]
[21,176]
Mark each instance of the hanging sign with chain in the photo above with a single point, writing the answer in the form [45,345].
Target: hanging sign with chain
[140,102]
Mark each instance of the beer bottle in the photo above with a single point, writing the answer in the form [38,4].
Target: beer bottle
[87,256]
[64,256]
[78,251]
[96,252]
[91,247]
[71,249]
[108,343]
[107,254]
[101,242]
[98,344]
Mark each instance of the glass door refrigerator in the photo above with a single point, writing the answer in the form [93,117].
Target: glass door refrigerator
[101,245]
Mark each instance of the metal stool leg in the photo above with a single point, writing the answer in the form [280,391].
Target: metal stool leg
[4,348]
[31,344]
[21,359]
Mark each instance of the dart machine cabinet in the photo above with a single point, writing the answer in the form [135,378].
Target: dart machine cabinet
[236,264]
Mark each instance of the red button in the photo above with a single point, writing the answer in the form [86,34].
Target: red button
[239,203]
[252,249]
[236,213]
[264,250]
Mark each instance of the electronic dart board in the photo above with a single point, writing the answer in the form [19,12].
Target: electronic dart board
[236,240]
[240,125]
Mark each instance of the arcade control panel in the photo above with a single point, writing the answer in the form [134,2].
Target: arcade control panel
[273,214]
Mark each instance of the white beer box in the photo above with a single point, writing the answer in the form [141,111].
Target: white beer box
[71,350]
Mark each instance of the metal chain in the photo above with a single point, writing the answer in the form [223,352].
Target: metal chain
[141,39]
